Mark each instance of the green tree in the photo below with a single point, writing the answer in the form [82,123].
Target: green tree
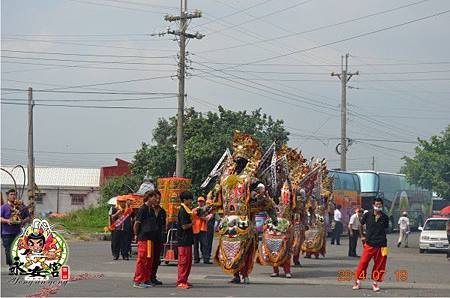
[430,167]
[207,135]
[120,185]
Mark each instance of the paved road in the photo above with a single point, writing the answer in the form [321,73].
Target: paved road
[428,275]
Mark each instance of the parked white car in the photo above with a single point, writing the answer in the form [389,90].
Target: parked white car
[433,235]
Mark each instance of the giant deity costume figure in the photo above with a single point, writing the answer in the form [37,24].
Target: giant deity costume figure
[276,242]
[237,235]
[318,187]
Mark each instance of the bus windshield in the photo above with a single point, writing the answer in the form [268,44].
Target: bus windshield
[369,182]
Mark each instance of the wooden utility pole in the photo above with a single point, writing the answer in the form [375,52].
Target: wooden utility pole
[345,77]
[30,167]
[182,18]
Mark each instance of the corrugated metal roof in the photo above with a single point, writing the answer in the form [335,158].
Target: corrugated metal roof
[63,177]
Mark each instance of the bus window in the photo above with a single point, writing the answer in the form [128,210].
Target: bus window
[369,182]
[336,182]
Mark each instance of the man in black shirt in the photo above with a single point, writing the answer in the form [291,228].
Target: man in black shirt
[374,245]
[148,227]
[185,237]
[121,223]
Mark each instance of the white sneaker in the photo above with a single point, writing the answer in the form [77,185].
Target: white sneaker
[357,285]
[288,275]
[375,287]
[274,274]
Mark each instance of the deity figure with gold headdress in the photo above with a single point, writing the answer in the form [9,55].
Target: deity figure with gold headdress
[237,236]
[319,200]
[276,241]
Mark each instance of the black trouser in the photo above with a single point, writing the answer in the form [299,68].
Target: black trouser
[120,243]
[7,241]
[337,231]
[352,243]
[200,242]
[209,239]
[448,249]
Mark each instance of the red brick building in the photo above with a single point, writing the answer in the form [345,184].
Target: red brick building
[122,168]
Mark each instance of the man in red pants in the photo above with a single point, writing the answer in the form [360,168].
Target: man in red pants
[148,227]
[374,245]
[160,216]
[185,240]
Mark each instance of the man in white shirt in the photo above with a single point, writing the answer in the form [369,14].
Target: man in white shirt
[403,225]
[353,230]
[337,230]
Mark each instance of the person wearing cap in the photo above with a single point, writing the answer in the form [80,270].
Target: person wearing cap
[121,228]
[199,228]
[353,230]
[403,225]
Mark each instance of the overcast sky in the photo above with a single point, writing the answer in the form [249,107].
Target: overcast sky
[277,55]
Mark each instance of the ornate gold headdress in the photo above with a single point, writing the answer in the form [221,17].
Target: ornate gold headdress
[245,146]
[297,165]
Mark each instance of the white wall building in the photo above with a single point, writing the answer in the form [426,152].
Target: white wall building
[60,189]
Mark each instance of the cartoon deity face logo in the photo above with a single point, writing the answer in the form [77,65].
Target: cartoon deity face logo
[35,243]
[38,252]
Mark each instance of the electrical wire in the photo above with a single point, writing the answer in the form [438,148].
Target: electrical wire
[318,28]
[92,92]
[342,40]
[86,55]
[90,106]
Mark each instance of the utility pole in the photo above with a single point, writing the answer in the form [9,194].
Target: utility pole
[373,163]
[30,167]
[345,77]
[181,32]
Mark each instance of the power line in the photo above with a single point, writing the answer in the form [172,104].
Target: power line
[116,6]
[407,80]
[86,55]
[405,72]
[142,4]
[383,147]
[92,92]
[317,28]
[76,35]
[342,40]
[325,65]
[84,44]
[257,18]
[114,82]
[87,66]
[276,92]
[92,100]
[62,87]
[70,153]
[90,106]
[232,14]
[84,61]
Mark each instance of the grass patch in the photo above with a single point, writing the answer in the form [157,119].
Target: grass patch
[89,220]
